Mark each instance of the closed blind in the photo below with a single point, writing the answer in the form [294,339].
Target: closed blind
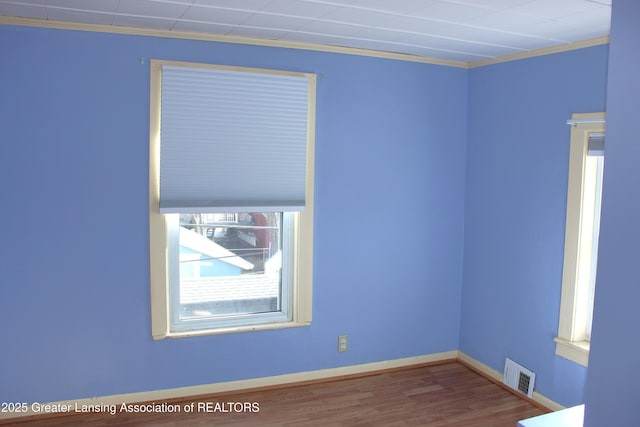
[596,144]
[232,141]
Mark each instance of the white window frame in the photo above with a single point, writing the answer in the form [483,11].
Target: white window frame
[572,342]
[301,247]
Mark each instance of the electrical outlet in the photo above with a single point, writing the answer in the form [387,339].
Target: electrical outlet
[343,343]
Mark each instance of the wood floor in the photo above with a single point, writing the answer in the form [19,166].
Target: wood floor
[447,394]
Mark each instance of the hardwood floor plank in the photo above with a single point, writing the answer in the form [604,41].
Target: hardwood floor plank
[443,395]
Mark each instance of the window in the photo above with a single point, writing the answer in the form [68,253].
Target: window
[231,198]
[584,195]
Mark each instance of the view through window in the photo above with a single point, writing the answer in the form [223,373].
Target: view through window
[230,264]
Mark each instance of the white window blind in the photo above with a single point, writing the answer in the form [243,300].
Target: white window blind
[232,140]
[596,144]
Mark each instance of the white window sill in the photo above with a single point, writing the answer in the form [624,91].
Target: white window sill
[576,351]
[233,329]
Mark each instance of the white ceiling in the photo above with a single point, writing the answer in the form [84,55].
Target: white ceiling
[458,30]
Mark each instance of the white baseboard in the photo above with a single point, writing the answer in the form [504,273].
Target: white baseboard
[159,396]
[492,373]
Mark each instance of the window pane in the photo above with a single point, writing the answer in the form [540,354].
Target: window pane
[230,264]
[593,172]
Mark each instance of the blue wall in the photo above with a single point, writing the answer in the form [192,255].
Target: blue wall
[74,123]
[516,189]
[402,179]
[612,393]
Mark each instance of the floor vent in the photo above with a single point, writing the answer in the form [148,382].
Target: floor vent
[518,377]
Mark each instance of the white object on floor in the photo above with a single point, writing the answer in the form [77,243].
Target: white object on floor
[570,417]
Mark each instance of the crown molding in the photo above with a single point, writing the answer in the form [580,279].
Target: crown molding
[540,52]
[63,25]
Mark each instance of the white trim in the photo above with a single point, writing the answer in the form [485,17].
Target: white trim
[570,342]
[492,373]
[597,41]
[574,122]
[158,238]
[158,396]
[159,229]
[581,118]
[577,351]
[61,25]
[29,22]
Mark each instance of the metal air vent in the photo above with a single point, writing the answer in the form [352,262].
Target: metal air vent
[518,378]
